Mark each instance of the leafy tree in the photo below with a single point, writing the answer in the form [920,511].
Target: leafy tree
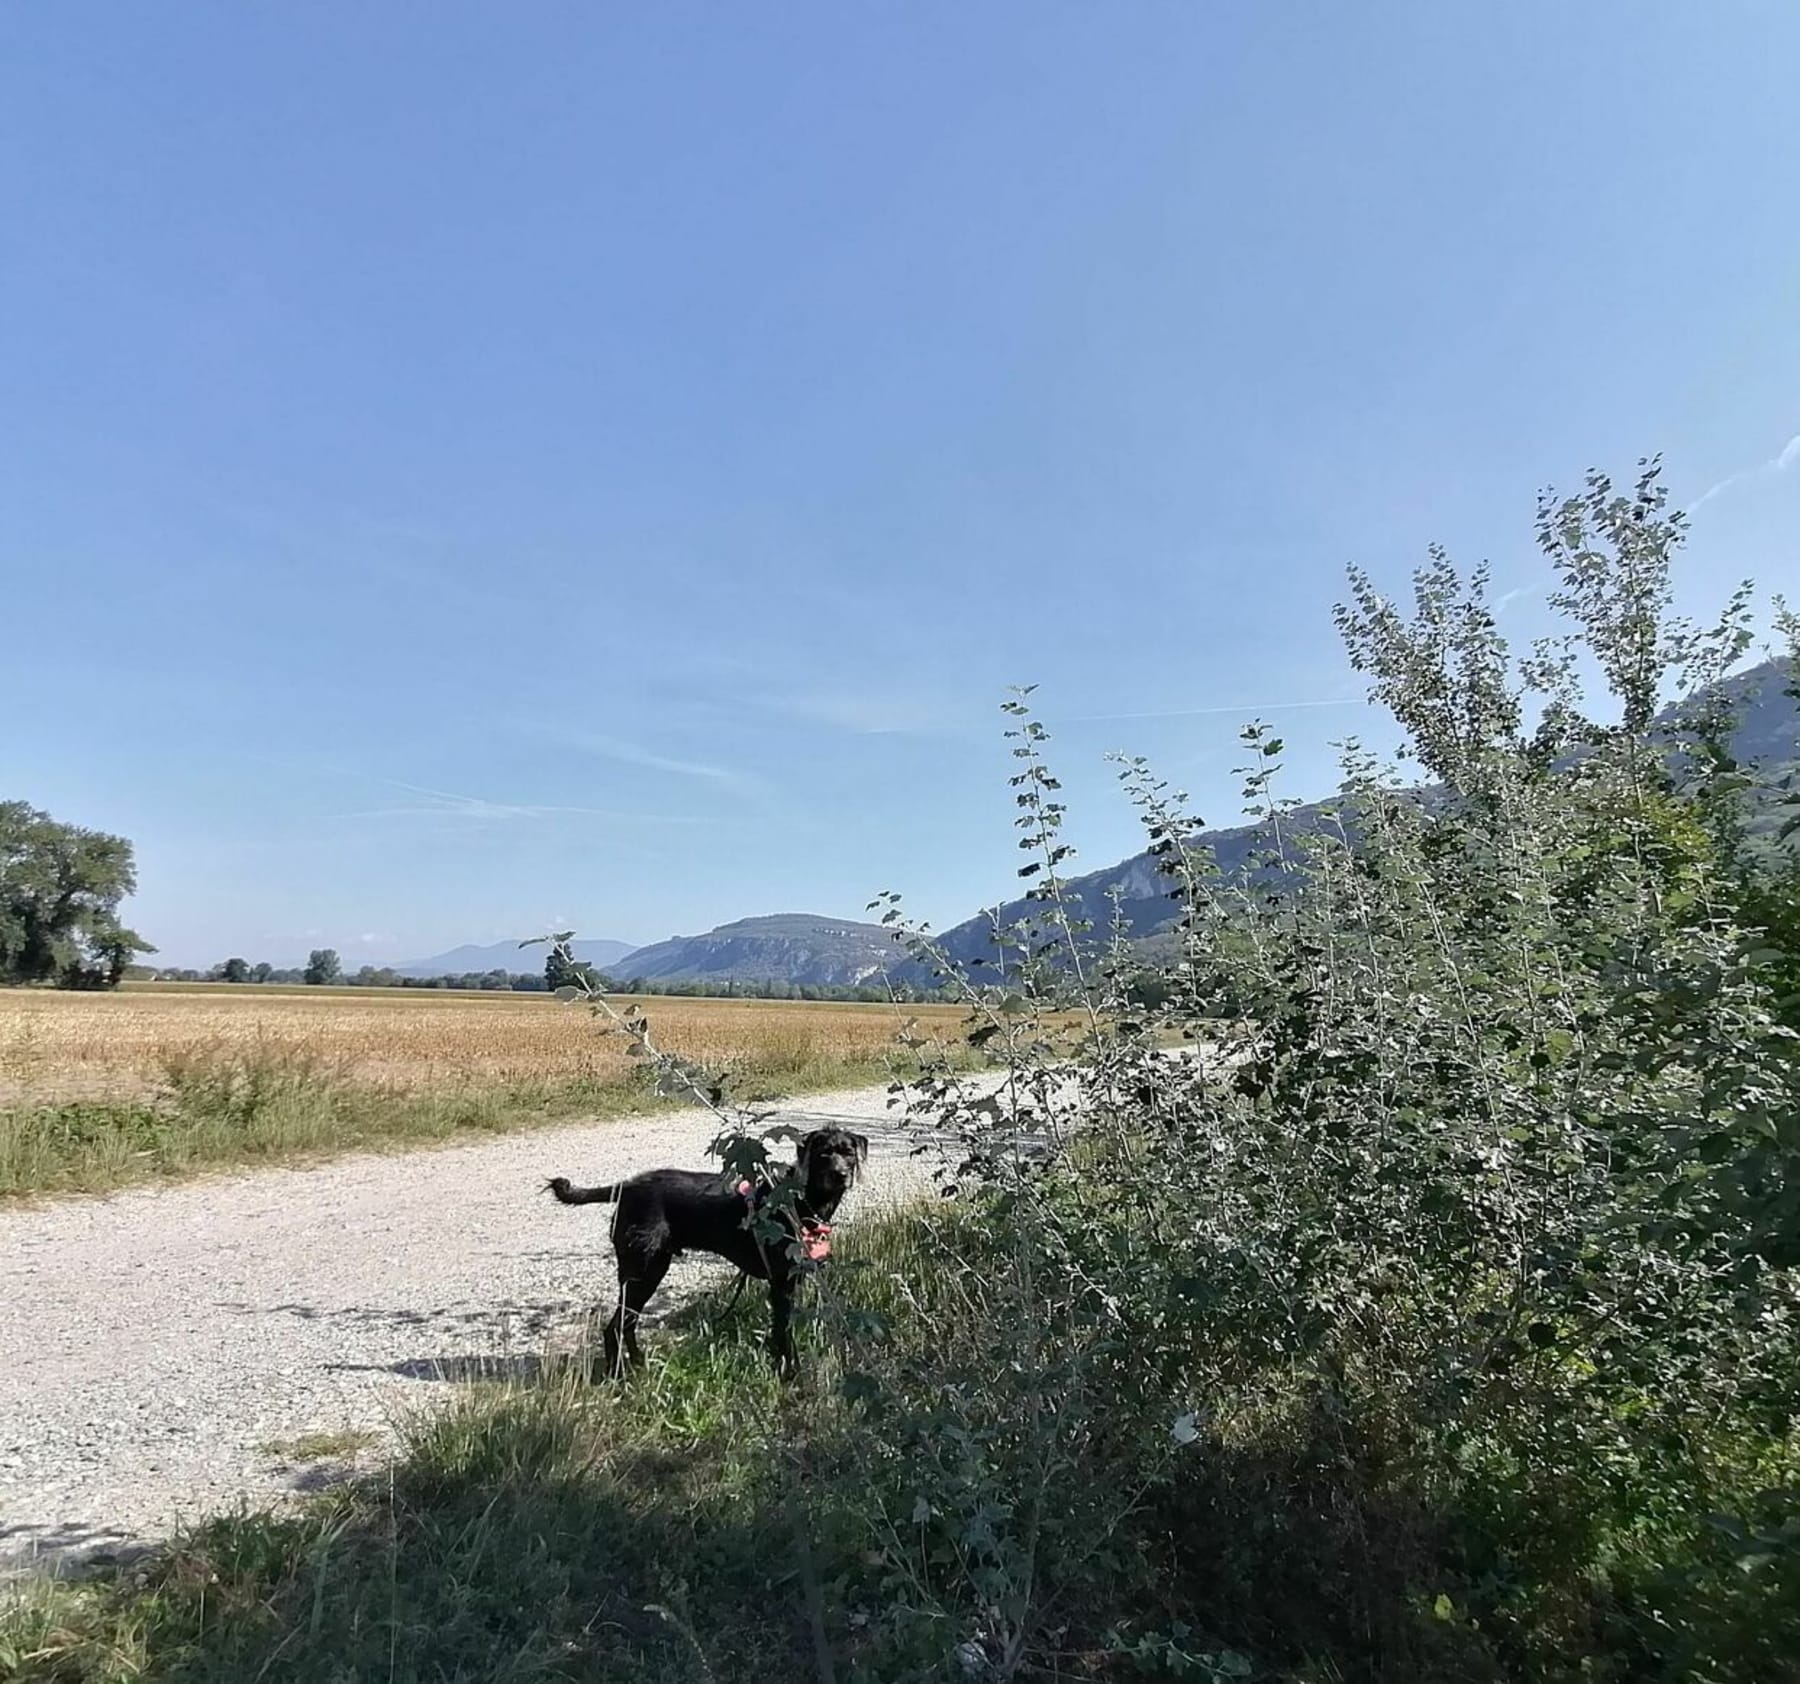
[323,966]
[113,950]
[262,972]
[60,889]
[560,971]
[235,970]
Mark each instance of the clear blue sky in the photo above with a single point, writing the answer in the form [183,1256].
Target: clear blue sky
[467,467]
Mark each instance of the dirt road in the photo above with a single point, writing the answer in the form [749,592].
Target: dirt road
[165,1352]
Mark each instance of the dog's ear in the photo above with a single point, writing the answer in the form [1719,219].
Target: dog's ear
[862,1147]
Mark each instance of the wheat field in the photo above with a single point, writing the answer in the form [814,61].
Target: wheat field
[57,1047]
[161,1080]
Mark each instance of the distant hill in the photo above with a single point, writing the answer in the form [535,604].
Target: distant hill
[1144,903]
[798,947]
[1767,738]
[1768,726]
[509,956]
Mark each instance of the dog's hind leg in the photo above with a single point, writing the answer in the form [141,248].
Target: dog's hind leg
[640,1274]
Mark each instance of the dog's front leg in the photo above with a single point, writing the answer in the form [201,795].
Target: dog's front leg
[781,1327]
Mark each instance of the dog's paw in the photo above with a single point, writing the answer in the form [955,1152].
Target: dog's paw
[559,1185]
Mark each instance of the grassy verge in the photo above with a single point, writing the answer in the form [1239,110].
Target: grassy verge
[959,1489]
[274,1105]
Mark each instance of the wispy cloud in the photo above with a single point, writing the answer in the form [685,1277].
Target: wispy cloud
[862,714]
[1785,458]
[1518,593]
[633,754]
[1247,709]
[443,803]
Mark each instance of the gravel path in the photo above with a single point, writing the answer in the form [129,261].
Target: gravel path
[156,1344]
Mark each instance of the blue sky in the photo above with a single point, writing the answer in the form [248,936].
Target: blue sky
[469,467]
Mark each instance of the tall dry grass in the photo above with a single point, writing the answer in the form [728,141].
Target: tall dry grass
[101,1089]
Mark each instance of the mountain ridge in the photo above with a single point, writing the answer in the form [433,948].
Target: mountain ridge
[796,947]
[1767,735]
[801,947]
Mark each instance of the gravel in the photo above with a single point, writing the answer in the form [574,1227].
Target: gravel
[160,1348]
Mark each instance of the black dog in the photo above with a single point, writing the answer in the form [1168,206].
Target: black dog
[665,1212]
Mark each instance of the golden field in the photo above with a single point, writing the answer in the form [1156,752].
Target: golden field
[58,1046]
[98,1090]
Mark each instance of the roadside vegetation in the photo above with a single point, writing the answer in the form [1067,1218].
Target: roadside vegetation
[1439,1324]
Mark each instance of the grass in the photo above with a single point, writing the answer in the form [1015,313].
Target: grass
[98,1091]
[322,1446]
[952,1470]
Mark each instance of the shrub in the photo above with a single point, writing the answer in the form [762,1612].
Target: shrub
[1461,1259]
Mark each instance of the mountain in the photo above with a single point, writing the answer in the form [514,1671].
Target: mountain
[1768,718]
[1144,901]
[1767,738]
[797,947]
[803,948]
[509,956]
[1766,741]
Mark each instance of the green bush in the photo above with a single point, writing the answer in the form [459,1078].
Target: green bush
[1469,1242]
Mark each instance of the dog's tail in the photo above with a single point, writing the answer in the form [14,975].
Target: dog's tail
[571,1195]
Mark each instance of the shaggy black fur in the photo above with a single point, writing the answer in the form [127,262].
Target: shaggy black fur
[665,1212]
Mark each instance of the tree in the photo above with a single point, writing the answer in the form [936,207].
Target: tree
[262,972]
[110,955]
[323,966]
[235,970]
[60,889]
[560,971]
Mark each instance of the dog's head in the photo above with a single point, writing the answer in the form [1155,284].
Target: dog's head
[829,1161]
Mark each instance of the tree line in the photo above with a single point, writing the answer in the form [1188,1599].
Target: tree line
[324,967]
